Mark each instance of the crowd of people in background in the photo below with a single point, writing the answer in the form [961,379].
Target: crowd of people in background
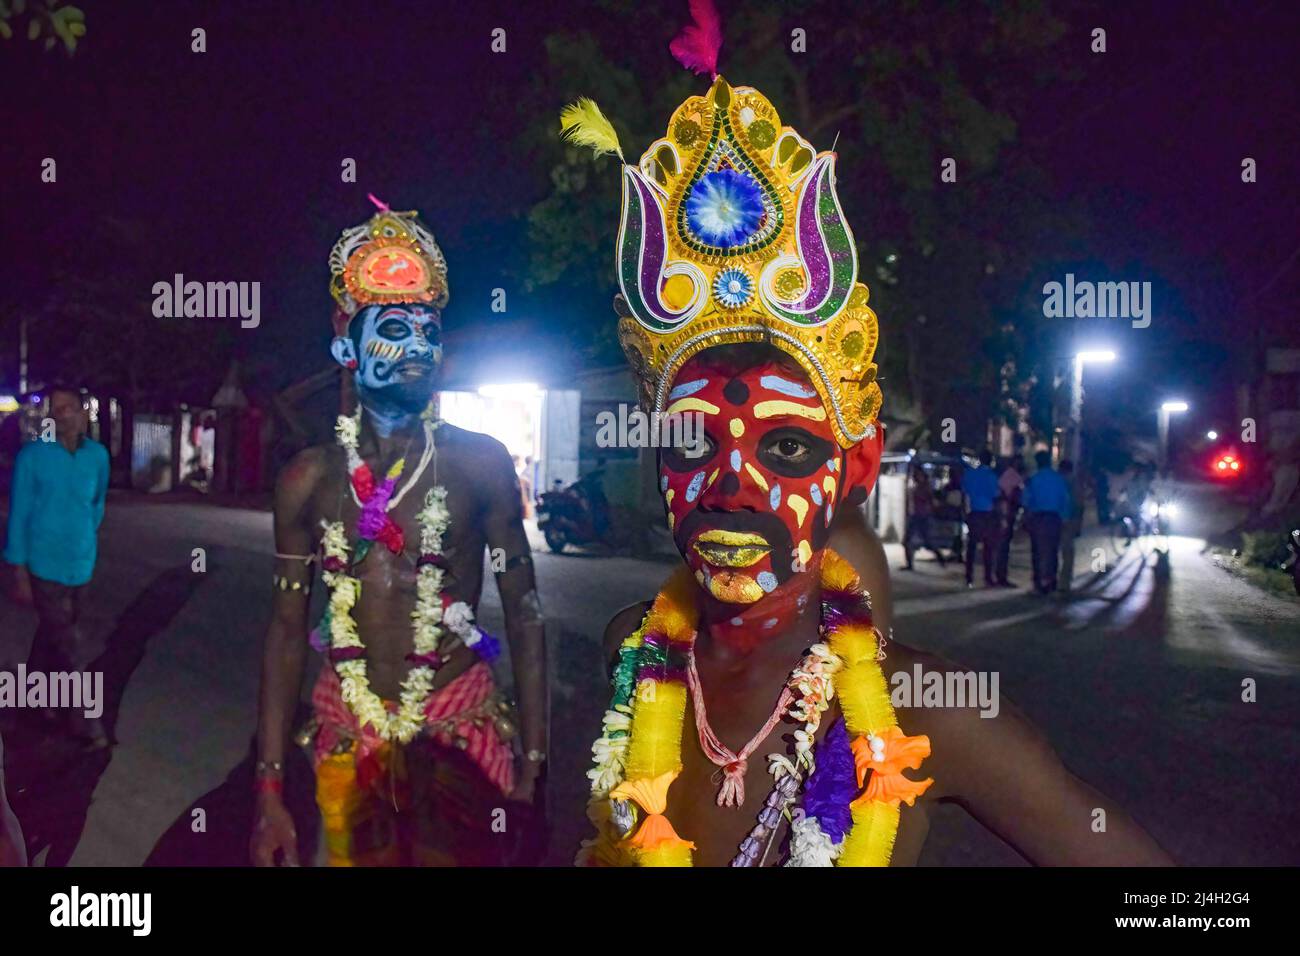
[992,503]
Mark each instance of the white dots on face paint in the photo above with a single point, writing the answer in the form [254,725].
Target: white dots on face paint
[735,459]
[769,624]
[693,489]
[737,622]
[774,499]
[663,483]
[815,493]
[767,581]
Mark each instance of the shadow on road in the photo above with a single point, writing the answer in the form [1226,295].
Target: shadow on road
[53,780]
[227,815]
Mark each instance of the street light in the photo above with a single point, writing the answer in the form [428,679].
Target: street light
[1167,409]
[1082,358]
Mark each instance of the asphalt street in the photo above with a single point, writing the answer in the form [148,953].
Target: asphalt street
[1136,679]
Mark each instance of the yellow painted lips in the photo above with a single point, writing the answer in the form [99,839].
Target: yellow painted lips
[731,549]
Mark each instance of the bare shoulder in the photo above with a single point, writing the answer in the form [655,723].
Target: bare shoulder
[299,478]
[471,445]
[623,624]
[971,726]
[304,471]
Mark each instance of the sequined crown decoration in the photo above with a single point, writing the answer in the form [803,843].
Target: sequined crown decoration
[391,258]
[732,232]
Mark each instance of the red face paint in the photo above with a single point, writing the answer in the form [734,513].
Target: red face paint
[750,505]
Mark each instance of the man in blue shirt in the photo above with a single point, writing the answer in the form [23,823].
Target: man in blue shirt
[980,486]
[55,508]
[1048,504]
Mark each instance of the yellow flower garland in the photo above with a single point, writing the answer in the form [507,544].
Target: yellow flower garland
[648,759]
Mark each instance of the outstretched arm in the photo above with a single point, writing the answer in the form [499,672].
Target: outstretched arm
[513,566]
[1006,775]
[284,656]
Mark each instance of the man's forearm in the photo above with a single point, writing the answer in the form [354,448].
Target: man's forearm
[282,667]
[527,637]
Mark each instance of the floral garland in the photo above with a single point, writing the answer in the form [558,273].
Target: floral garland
[638,754]
[434,612]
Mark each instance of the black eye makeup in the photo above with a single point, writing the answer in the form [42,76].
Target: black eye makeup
[393,329]
[691,454]
[793,452]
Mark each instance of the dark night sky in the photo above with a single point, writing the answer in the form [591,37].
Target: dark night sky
[233,156]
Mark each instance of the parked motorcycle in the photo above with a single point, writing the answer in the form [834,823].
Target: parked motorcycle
[578,514]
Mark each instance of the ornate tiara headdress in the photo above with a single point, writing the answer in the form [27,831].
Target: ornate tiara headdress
[391,258]
[732,232]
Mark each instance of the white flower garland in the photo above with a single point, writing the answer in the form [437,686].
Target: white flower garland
[428,615]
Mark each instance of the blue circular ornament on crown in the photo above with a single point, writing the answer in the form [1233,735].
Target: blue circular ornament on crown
[725,208]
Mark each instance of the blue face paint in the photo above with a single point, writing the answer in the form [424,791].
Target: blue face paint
[397,349]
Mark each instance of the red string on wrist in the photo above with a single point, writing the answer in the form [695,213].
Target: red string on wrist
[269,785]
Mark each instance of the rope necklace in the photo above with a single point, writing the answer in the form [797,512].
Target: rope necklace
[733,765]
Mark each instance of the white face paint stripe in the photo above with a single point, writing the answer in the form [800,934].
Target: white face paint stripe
[687,388]
[786,387]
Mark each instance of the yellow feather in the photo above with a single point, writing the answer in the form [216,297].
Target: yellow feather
[583,124]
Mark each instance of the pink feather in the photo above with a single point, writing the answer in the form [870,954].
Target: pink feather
[697,46]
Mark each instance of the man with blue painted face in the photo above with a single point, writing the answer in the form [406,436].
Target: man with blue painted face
[410,738]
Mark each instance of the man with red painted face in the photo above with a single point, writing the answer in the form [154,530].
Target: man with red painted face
[752,720]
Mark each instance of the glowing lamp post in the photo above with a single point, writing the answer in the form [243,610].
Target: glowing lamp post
[1096,357]
[1167,409]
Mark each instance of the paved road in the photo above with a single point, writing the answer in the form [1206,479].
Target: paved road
[1137,681]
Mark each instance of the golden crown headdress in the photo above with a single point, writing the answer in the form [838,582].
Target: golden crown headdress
[391,258]
[732,232]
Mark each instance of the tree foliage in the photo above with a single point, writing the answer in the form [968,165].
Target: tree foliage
[50,20]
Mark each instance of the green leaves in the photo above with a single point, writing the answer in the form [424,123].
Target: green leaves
[50,21]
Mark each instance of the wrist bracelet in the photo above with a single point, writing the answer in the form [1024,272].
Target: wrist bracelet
[267,767]
[269,785]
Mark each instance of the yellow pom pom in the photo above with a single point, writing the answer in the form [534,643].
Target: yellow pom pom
[838,574]
[667,855]
[674,611]
[658,714]
[871,841]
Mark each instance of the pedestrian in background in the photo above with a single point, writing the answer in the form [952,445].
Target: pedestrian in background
[919,515]
[980,486]
[1047,503]
[55,509]
[1011,485]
